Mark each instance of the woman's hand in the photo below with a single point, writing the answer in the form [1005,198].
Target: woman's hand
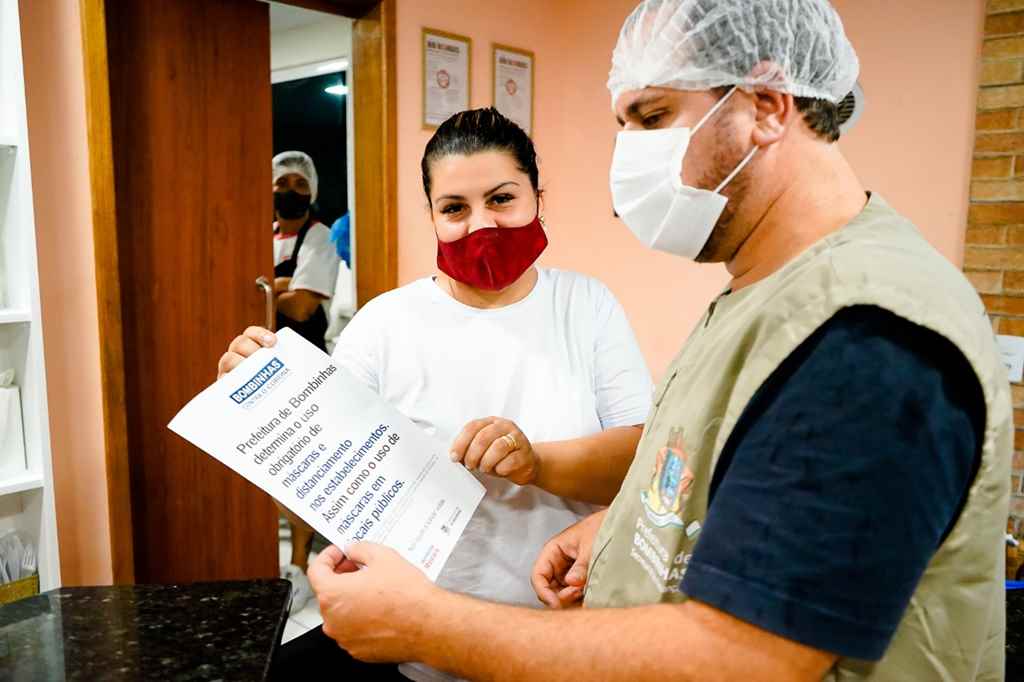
[496,446]
[251,340]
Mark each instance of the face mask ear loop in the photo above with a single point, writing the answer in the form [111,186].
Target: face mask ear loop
[718,105]
[677,158]
[736,172]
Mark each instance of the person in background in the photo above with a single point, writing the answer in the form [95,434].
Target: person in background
[343,303]
[822,488]
[305,271]
[305,260]
[533,375]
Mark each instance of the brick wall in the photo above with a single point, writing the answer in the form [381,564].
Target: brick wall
[994,251]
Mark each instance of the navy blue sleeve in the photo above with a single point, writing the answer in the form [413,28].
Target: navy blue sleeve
[840,480]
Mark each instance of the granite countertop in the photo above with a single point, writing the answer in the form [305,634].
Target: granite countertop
[202,631]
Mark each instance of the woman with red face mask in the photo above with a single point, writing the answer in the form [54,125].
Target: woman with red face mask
[532,374]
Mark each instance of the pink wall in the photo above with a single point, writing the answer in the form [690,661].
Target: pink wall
[60,183]
[913,145]
[920,67]
[663,295]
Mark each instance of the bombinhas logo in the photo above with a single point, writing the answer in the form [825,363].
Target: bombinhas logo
[259,380]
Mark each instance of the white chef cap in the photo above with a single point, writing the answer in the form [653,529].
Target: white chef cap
[296,162]
[794,46]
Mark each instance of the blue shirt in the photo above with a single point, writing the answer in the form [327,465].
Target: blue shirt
[341,236]
[842,477]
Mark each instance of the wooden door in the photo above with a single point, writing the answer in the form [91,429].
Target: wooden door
[190,113]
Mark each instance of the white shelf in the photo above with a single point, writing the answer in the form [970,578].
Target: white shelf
[20,483]
[21,342]
[14,316]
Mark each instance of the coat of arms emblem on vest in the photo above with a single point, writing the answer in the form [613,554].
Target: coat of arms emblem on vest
[670,483]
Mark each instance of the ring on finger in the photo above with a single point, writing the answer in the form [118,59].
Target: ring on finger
[510,440]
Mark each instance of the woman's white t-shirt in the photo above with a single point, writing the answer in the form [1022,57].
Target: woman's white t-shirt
[561,363]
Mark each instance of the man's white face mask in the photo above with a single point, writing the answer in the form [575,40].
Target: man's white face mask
[649,195]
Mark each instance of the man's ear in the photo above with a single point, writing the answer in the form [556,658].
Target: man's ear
[775,113]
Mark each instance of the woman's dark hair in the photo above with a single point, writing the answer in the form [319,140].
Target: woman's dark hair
[480,130]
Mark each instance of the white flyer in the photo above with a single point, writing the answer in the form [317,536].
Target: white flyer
[302,429]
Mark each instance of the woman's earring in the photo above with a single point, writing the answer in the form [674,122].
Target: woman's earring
[542,223]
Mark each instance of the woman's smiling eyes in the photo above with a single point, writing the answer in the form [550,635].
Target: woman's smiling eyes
[456,207]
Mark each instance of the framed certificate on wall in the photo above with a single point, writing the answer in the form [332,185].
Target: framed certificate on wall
[446,75]
[513,84]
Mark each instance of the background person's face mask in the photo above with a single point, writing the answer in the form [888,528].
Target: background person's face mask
[291,205]
[649,195]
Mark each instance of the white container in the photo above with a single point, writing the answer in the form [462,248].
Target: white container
[12,439]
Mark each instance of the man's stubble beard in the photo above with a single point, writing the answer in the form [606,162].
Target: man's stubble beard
[723,243]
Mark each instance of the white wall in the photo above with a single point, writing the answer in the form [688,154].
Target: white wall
[328,37]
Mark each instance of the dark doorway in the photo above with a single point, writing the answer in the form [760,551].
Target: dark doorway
[310,116]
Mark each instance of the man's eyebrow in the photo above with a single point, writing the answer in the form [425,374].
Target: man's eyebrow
[633,110]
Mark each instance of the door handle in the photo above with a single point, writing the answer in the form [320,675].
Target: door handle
[268,291]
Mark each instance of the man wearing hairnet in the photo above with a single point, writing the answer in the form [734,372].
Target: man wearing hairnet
[822,486]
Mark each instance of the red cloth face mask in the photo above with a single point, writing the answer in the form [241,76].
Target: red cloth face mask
[492,258]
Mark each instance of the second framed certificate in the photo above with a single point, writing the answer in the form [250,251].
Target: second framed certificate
[513,84]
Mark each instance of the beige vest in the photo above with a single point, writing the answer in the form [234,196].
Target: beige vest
[954,626]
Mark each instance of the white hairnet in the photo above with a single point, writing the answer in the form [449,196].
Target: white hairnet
[296,162]
[794,46]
